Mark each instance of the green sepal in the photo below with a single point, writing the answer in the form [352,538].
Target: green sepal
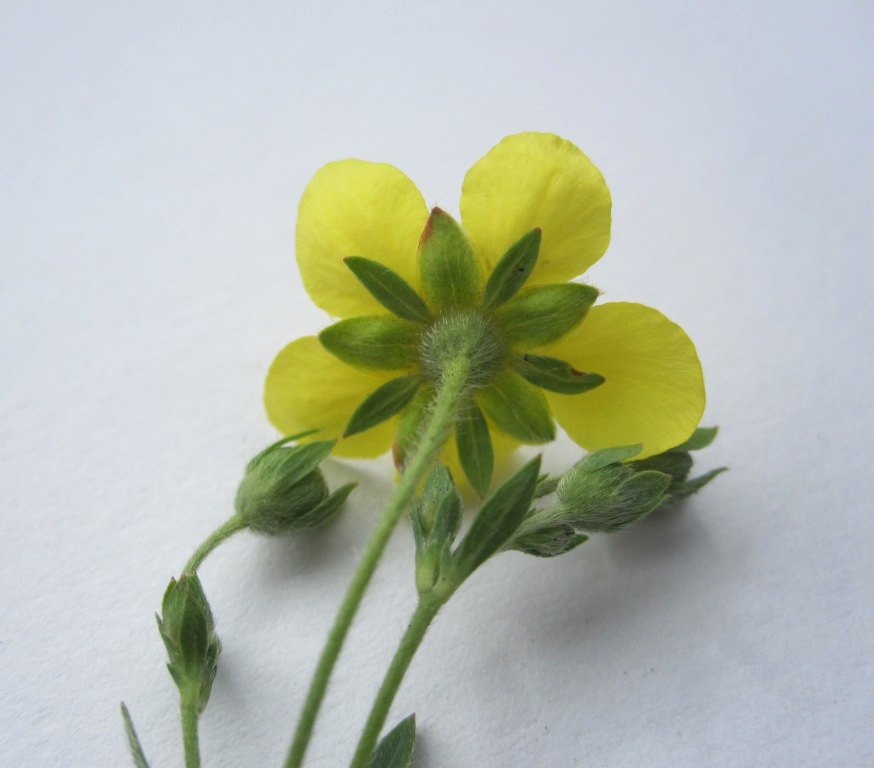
[518,408]
[327,509]
[555,375]
[389,289]
[383,342]
[701,438]
[512,271]
[607,456]
[545,486]
[677,465]
[474,444]
[550,542]
[544,313]
[643,491]
[133,741]
[383,403]
[449,270]
[395,750]
[496,521]
[689,487]
[279,444]
[297,462]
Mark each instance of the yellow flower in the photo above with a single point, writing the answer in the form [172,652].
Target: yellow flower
[530,187]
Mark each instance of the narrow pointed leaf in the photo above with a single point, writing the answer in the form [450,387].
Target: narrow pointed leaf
[497,520]
[518,409]
[607,456]
[449,270]
[383,403]
[643,492]
[697,483]
[136,749]
[474,444]
[544,313]
[545,486]
[303,459]
[389,289]
[511,272]
[549,542]
[701,438]
[555,375]
[677,465]
[384,343]
[327,509]
[396,748]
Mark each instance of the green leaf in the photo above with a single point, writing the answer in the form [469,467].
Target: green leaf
[389,289]
[396,748]
[301,460]
[384,342]
[544,313]
[642,493]
[326,509]
[555,375]
[449,270]
[136,749]
[607,456]
[545,486]
[497,521]
[518,408]
[383,403]
[474,444]
[696,484]
[701,438]
[677,465]
[511,272]
[550,542]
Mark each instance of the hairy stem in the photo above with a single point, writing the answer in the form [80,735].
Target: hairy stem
[438,421]
[189,702]
[410,642]
[224,531]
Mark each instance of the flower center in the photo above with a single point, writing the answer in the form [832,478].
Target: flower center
[468,335]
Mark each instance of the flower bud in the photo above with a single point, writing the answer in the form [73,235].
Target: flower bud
[188,631]
[283,490]
[601,495]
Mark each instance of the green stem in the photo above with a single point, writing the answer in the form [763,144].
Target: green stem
[189,705]
[435,430]
[410,642]
[224,531]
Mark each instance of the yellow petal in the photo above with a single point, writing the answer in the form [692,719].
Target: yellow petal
[309,388]
[654,388]
[356,208]
[538,180]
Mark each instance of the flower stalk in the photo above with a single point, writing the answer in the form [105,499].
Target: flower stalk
[189,708]
[424,614]
[437,424]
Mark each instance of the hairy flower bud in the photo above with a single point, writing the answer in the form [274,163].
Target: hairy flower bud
[188,631]
[601,495]
[284,490]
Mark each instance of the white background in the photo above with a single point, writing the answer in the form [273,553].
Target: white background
[153,155]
